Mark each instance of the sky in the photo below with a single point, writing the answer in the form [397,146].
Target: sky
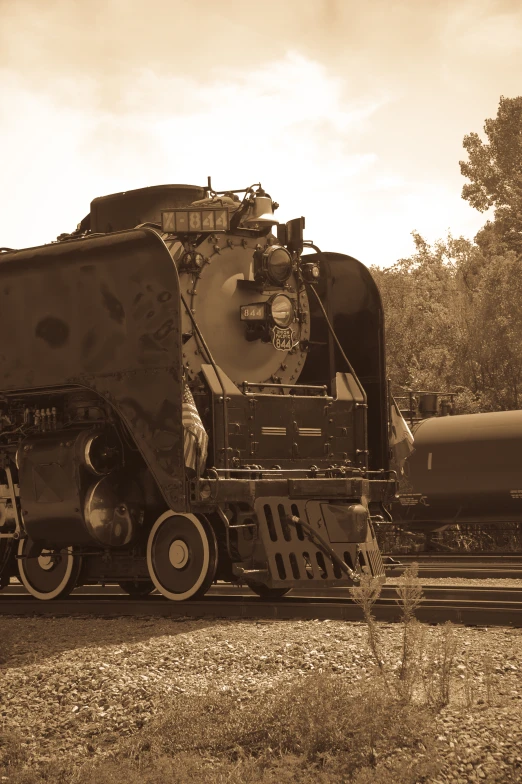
[350,113]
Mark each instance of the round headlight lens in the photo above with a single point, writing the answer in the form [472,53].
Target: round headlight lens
[278,264]
[282,311]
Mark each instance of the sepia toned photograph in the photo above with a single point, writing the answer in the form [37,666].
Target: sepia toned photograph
[260,392]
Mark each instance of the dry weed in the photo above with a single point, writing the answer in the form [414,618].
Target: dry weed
[438,666]
[423,663]
[489,678]
[365,595]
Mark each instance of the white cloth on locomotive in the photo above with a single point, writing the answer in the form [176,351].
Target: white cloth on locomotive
[195,438]
[401,437]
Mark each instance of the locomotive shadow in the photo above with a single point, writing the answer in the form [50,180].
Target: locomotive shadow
[27,641]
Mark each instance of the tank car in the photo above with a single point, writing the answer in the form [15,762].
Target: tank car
[187,396]
[465,469]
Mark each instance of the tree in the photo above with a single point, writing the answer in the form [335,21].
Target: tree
[494,351]
[452,310]
[454,323]
[494,169]
[422,309]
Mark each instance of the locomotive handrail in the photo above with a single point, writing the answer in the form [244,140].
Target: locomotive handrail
[330,325]
[350,472]
[246,384]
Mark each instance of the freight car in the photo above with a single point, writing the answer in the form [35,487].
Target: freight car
[187,396]
[465,469]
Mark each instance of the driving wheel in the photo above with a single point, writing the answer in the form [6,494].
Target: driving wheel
[181,556]
[51,574]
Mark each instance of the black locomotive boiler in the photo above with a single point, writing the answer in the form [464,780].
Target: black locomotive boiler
[187,397]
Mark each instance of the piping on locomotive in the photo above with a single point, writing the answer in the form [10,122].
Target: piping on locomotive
[188,397]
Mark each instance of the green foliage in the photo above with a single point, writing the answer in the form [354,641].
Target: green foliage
[414,289]
[452,310]
[494,169]
[454,322]
[313,730]
[428,307]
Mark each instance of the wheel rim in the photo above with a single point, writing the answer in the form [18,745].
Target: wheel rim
[181,556]
[53,573]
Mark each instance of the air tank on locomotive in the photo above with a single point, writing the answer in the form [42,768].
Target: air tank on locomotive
[187,397]
[465,469]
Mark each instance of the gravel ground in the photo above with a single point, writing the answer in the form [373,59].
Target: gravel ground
[492,582]
[73,686]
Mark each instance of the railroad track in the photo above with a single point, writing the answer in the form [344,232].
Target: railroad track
[497,565]
[473,606]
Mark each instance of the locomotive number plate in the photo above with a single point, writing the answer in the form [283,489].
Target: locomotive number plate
[283,339]
[186,221]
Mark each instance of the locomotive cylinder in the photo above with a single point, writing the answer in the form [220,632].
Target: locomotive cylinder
[64,501]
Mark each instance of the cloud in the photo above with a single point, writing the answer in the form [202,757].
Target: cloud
[485,28]
[288,122]
[350,114]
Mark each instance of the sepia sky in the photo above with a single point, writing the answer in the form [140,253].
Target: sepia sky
[351,113]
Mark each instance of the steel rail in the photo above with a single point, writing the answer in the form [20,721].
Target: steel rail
[475,608]
[486,566]
[510,557]
[484,573]
[228,591]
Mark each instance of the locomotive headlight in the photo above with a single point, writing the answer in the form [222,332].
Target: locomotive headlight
[274,263]
[282,310]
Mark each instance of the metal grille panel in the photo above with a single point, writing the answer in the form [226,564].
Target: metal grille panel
[292,557]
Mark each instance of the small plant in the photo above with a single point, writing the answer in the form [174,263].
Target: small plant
[438,667]
[488,677]
[409,591]
[469,680]
[12,752]
[5,643]
[410,596]
[421,663]
[365,595]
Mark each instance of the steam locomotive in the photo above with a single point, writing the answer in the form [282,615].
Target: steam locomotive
[187,397]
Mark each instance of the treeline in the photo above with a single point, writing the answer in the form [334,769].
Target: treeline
[454,310]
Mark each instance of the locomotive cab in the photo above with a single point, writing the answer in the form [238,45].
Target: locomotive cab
[189,397]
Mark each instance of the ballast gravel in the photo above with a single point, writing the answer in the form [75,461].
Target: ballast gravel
[73,686]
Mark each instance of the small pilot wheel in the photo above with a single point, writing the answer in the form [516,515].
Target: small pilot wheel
[52,574]
[137,588]
[181,556]
[267,593]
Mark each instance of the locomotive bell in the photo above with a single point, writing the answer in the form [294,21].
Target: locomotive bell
[262,215]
